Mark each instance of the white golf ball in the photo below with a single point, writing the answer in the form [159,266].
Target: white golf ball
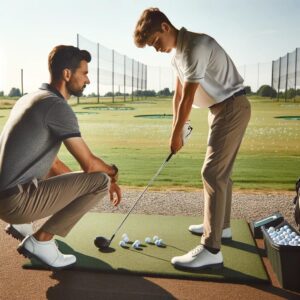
[161,242]
[147,240]
[126,239]
[124,235]
[136,243]
[157,243]
[155,238]
[122,244]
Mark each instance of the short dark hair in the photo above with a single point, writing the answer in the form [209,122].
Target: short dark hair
[149,22]
[65,57]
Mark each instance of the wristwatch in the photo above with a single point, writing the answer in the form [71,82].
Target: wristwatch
[116,170]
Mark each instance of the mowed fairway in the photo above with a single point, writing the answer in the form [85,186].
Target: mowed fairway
[269,158]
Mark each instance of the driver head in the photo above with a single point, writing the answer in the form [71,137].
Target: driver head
[101,242]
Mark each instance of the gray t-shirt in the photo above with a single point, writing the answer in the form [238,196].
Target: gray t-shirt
[32,136]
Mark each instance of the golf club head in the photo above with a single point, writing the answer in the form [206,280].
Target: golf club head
[102,243]
[186,132]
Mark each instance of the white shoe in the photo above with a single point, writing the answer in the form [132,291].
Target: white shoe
[199,258]
[46,252]
[19,231]
[226,233]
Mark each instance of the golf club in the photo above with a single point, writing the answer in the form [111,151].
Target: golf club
[103,243]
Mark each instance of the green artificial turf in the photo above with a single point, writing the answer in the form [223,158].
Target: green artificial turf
[242,262]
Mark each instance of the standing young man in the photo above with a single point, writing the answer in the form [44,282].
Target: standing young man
[34,183]
[206,77]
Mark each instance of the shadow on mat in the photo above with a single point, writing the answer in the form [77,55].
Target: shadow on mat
[240,245]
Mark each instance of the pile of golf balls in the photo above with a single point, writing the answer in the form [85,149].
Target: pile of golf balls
[124,241]
[137,243]
[284,236]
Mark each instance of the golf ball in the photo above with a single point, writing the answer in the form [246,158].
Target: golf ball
[147,240]
[155,238]
[124,235]
[157,243]
[161,242]
[122,244]
[126,239]
[136,244]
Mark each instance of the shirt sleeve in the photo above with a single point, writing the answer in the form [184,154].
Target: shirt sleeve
[196,60]
[62,121]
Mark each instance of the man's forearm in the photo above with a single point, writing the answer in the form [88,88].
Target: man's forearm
[58,168]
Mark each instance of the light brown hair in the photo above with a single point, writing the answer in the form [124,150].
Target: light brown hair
[149,22]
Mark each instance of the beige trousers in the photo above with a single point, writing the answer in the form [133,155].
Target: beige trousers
[227,124]
[66,198]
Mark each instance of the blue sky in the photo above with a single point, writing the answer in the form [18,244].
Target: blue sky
[250,31]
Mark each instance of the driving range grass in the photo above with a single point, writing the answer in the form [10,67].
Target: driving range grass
[269,158]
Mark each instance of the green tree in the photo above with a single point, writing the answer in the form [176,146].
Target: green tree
[1,93]
[14,92]
[165,92]
[291,93]
[248,89]
[266,91]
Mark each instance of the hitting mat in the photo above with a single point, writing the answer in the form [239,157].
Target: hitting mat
[242,262]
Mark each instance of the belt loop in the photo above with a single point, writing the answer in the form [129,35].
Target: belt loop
[20,187]
[35,182]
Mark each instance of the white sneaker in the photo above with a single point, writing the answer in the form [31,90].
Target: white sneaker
[46,252]
[199,258]
[199,229]
[19,231]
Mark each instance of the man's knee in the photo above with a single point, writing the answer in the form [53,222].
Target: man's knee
[101,181]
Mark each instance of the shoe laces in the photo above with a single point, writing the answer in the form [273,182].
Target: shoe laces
[196,250]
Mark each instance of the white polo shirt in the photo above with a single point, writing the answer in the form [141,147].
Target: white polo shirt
[199,58]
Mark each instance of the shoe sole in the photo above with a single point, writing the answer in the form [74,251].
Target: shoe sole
[206,267]
[10,230]
[199,234]
[28,254]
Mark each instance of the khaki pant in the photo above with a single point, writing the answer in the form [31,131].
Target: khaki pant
[228,122]
[66,198]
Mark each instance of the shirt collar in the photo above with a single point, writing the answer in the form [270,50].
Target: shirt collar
[48,87]
[180,38]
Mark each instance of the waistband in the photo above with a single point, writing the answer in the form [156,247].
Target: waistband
[17,189]
[238,93]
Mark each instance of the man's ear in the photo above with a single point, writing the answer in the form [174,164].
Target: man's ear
[66,74]
[165,27]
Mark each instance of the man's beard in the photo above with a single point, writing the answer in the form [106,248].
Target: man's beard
[75,92]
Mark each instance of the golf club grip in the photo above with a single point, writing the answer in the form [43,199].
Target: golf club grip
[169,157]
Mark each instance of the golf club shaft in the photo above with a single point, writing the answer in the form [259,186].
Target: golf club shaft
[141,195]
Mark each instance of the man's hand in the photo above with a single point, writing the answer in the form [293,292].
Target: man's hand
[115,194]
[176,142]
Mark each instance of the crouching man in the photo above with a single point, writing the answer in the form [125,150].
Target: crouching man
[34,183]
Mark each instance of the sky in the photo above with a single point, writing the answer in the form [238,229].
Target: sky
[251,31]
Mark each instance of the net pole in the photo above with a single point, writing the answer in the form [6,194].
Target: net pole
[77,43]
[296,58]
[124,78]
[132,78]
[272,72]
[22,91]
[113,76]
[287,76]
[279,75]
[98,73]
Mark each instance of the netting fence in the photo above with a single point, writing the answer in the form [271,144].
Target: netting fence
[286,72]
[112,74]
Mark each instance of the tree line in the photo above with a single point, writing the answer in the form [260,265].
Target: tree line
[264,91]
